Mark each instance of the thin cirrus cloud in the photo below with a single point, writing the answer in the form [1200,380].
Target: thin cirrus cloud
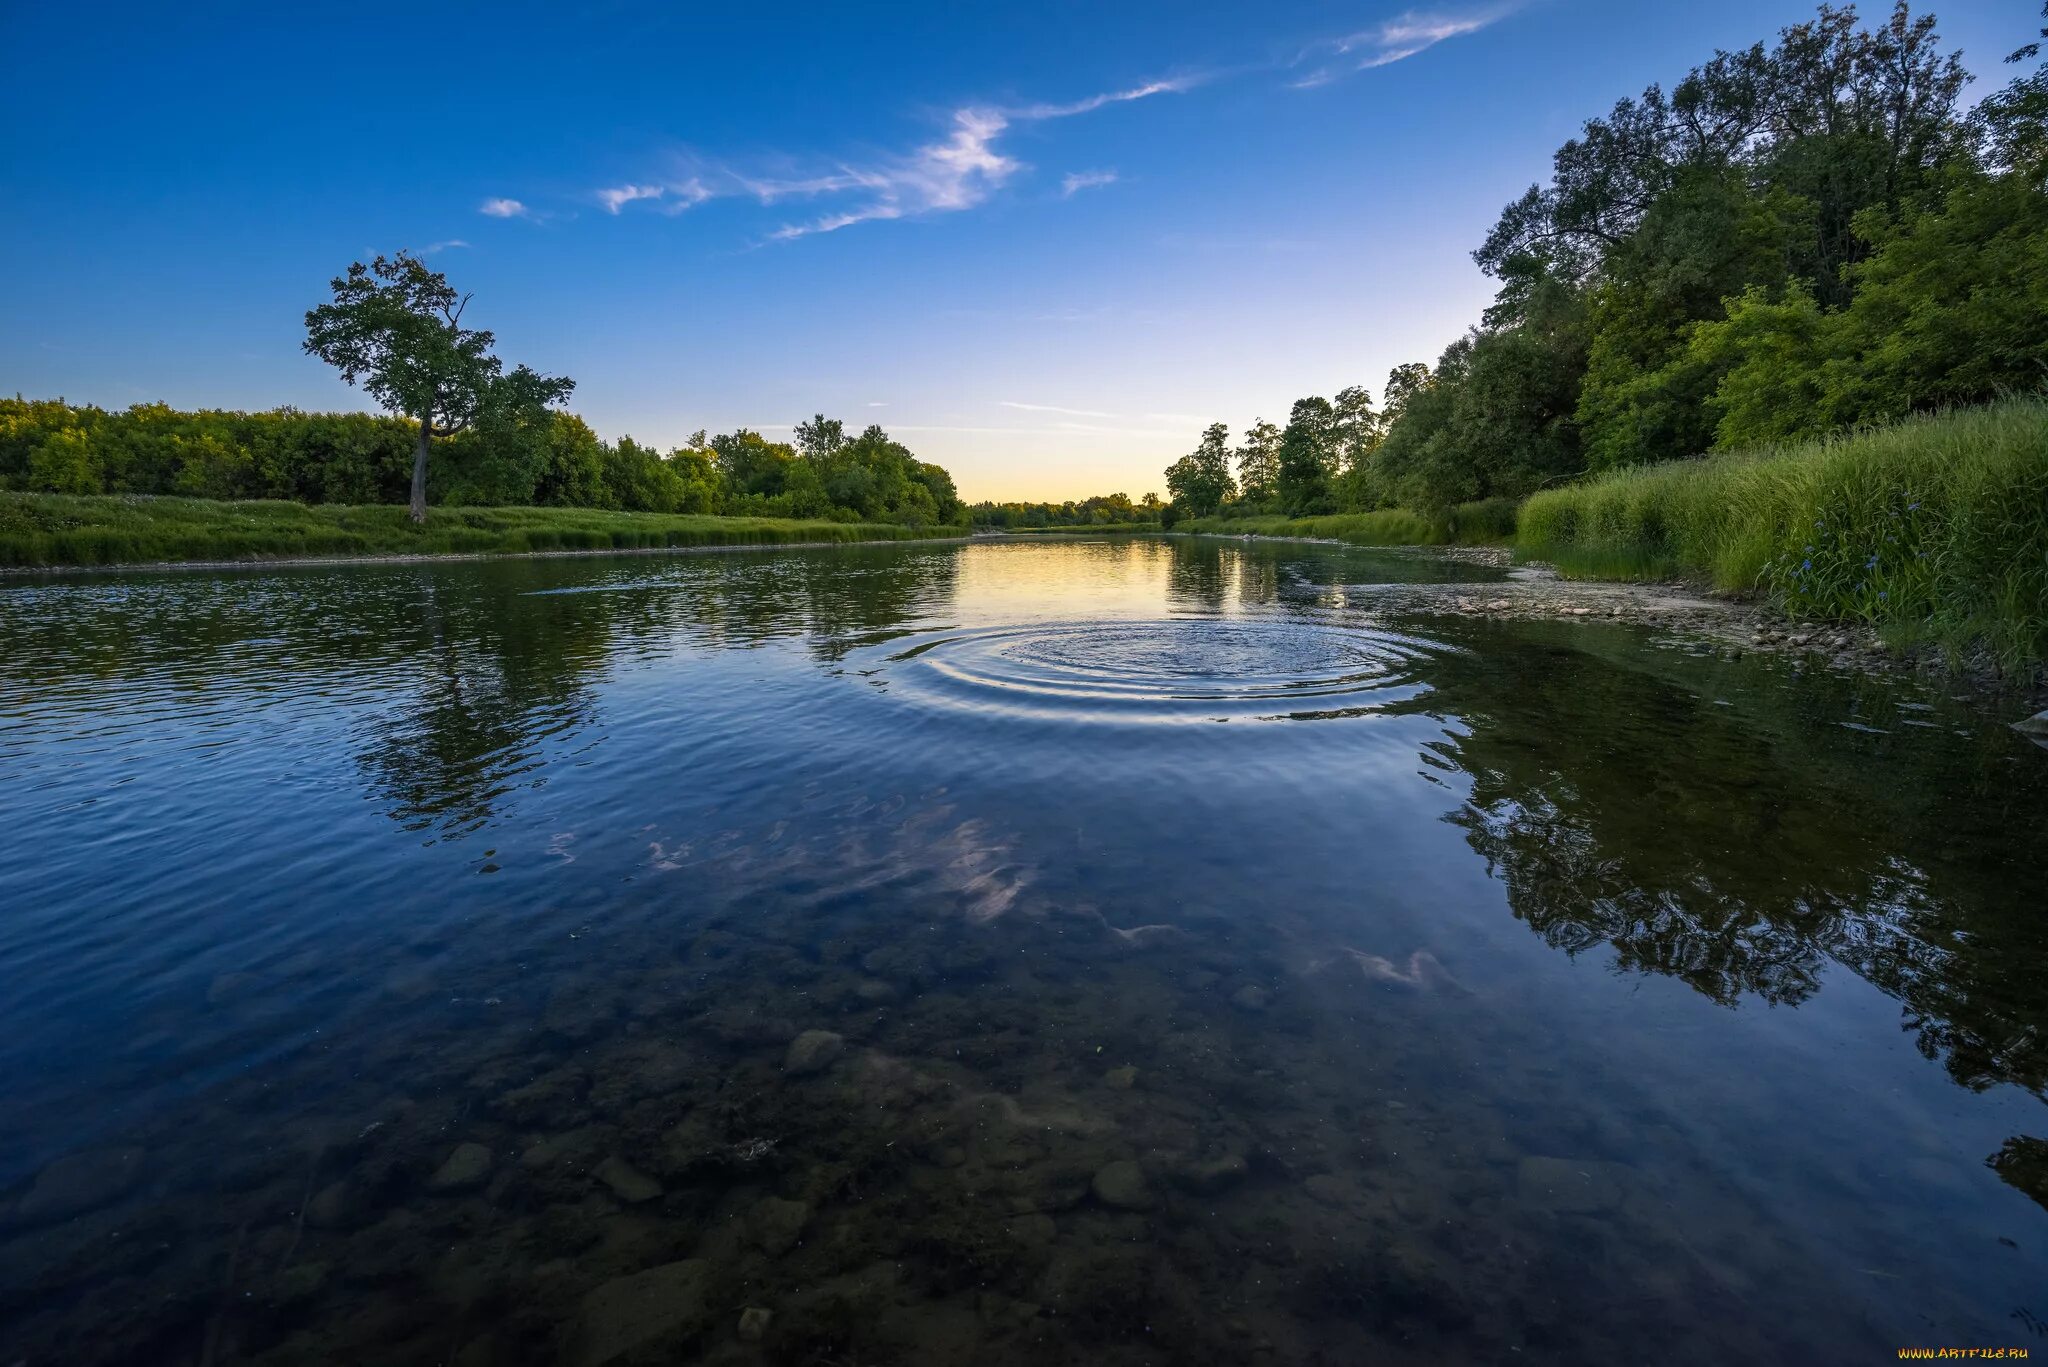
[1077,181]
[1053,408]
[1396,40]
[957,171]
[676,196]
[968,165]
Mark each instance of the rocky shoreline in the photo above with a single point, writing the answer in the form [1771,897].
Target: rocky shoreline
[1731,626]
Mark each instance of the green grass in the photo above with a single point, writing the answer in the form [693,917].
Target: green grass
[1935,529]
[1489,522]
[65,529]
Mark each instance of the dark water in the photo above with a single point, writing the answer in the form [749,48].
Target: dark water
[1217,957]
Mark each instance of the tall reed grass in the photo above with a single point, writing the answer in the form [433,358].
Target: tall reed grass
[62,529]
[1934,528]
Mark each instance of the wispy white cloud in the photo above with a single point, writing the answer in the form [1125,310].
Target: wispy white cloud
[1171,86]
[504,208]
[1395,40]
[1053,408]
[450,244]
[1076,181]
[618,196]
[957,172]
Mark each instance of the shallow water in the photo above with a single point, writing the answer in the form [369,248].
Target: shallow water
[1217,956]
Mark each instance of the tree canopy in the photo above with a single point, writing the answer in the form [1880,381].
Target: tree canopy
[1793,238]
[395,328]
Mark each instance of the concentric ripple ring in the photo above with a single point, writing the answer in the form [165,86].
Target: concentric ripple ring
[1179,669]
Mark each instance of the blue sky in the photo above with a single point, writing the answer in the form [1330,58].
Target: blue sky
[1043,245]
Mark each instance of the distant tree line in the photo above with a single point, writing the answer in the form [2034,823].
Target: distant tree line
[1793,240]
[530,456]
[1103,510]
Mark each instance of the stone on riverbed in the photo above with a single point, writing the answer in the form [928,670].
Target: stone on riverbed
[2034,728]
[623,1314]
[79,1182]
[1122,1185]
[775,1225]
[465,1169]
[1565,1186]
[627,1182]
[813,1052]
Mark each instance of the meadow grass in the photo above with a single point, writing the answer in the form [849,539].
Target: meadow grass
[1488,522]
[38,530]
[1935,528]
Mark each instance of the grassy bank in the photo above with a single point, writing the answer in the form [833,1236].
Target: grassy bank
[1936,527]
[61,529]
[1489,522]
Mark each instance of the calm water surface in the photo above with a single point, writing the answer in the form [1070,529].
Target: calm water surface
[1117,951]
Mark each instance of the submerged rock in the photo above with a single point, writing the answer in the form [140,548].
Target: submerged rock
[465,1169]
[1251,997]
[813,1052]
[754,1322]
[79,1182]
[2035,728]
[623,1314]
[1570,1187]
[334,1206]
[627,1182]
[1123,1079]
[1122,1185]
[1212,1174]
[775,1225]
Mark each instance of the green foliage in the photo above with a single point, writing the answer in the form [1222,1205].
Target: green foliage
[1938,523]
[1258,465]
[1102,510]
[1308,458]
[395,327]
[1797,238]
[509,457]
[1200,481]
[54,530]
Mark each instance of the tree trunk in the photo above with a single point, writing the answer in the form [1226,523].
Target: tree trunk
[419,471]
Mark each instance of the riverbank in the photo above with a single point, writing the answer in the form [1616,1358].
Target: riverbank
[1488,522]
[61,531]
[1933,531]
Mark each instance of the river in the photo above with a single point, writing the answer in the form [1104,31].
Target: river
[1123,950]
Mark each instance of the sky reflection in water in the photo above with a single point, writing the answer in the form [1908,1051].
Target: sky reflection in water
[1428,989]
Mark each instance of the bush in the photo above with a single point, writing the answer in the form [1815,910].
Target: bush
[1938,524]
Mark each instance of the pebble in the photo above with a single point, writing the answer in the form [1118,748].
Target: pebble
[754,1323]
[466,1168]
[813,1052]
[627,1182]
[79,1182]
[629,1311]
[774,1225]
[1122,1185]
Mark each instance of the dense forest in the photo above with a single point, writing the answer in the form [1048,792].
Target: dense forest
[552,459]
[1102,510]
[1793,240]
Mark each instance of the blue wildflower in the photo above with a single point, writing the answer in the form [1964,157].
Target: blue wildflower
[1809,564]
[1871,563]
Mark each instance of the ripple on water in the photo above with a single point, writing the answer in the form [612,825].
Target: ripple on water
[1180,669]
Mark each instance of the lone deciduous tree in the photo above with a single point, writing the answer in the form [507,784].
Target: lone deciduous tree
[395,327]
